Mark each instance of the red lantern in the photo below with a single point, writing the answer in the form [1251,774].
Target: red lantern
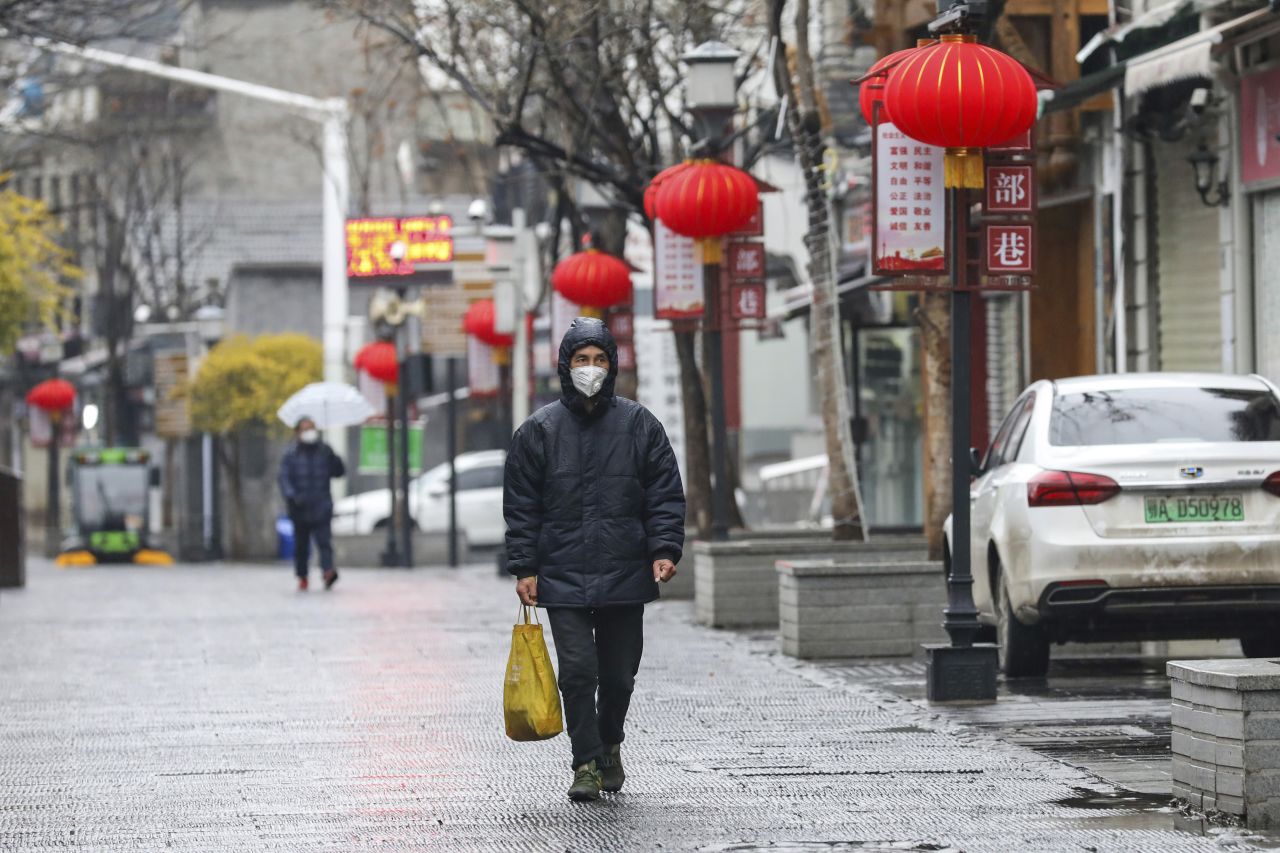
[651,191]
[52,395]
[479,324]
[593,279]
[708,199]
[962,96]
[871,89]
[379,360]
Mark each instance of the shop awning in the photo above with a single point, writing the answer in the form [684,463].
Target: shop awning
[1076,92]
[1186,58]
[1151,20]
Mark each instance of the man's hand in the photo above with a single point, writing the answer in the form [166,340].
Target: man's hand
[663,570]
[527,589]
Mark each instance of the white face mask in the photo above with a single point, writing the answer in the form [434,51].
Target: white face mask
[309,436]
[588,380]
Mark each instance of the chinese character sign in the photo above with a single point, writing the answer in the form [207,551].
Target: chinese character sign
[677,286]
[1010,189]
[746,301]
[1009,249]
[745,261]
[391,246]
[910,212]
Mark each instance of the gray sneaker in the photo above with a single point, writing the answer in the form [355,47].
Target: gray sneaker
[611,774]
[586,783]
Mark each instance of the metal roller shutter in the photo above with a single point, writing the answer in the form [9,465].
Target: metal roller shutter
[1190,305]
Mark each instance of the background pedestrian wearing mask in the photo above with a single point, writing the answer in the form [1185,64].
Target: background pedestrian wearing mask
[305,471]
[595,520]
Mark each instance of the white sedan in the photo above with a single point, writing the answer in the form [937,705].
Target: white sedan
[479,502]
[1129,507]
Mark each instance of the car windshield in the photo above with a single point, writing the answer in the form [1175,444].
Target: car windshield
[1152,415]
[108,497]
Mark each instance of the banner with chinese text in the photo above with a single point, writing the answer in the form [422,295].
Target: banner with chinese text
[677,281]
[910,205]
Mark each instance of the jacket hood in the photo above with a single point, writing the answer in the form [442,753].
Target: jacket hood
[586,331]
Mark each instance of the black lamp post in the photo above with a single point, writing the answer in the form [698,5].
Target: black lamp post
[962,670]
[710,91]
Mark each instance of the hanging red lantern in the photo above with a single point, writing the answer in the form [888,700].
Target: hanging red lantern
[479,324]
[52,395]
[707,200]
[593,279]
[651,191]
[871,89]
[379,360]
[962,96]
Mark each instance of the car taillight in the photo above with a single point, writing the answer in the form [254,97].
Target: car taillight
[1070,488]
[1271,485]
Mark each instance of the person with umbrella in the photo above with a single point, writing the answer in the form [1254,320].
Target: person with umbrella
[309,465]
[305,471]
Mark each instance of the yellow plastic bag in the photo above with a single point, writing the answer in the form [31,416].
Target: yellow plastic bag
[530,698]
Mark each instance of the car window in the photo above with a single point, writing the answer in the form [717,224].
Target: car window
[487,477]
[1147,415]
[1018,434]
[996,452]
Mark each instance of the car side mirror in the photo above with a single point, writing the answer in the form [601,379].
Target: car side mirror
[437,490]
[975,462]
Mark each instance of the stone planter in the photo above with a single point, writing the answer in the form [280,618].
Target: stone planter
[1226,737]
[870,608]
[736,582]
[681,587]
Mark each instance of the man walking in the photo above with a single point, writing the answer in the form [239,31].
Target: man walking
[305,471]
[595,520]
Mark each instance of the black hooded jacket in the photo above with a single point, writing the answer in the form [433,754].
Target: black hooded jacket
[591,499]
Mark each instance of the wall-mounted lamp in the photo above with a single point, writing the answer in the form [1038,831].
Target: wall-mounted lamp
[1205,164]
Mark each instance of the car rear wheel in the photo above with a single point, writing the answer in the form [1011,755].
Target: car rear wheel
[1024,649]
[1261,646]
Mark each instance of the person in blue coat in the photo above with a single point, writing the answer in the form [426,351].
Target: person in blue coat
[305,471]
[595,522]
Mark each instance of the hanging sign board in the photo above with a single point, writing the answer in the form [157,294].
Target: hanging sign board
[747,301]
[910,211]
[1008,249]
[483,378]
[443,311]
[172,412]
[677,285]
[1011,190]
[373,449]
[1259,126]
[745,261]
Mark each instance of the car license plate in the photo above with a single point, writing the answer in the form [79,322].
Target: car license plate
[1182,509]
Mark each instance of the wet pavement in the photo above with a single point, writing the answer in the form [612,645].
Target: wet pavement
[214,709]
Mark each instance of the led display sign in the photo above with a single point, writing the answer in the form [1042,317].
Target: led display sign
[395,246]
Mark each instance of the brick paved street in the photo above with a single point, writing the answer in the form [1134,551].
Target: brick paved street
[214,709]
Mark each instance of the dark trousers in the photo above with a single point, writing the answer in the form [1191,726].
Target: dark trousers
[303,533]
[599,654]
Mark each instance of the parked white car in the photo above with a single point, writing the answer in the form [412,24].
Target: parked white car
[1126,507]
[479,501]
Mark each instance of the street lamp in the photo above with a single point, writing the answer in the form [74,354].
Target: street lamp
[711,89]
[1205,165]
[711,92]
[211,326]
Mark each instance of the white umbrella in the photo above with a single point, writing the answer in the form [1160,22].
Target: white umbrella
[329,404]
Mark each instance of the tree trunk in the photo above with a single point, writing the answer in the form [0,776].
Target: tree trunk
[825,340]
[934,318]
[696,443]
